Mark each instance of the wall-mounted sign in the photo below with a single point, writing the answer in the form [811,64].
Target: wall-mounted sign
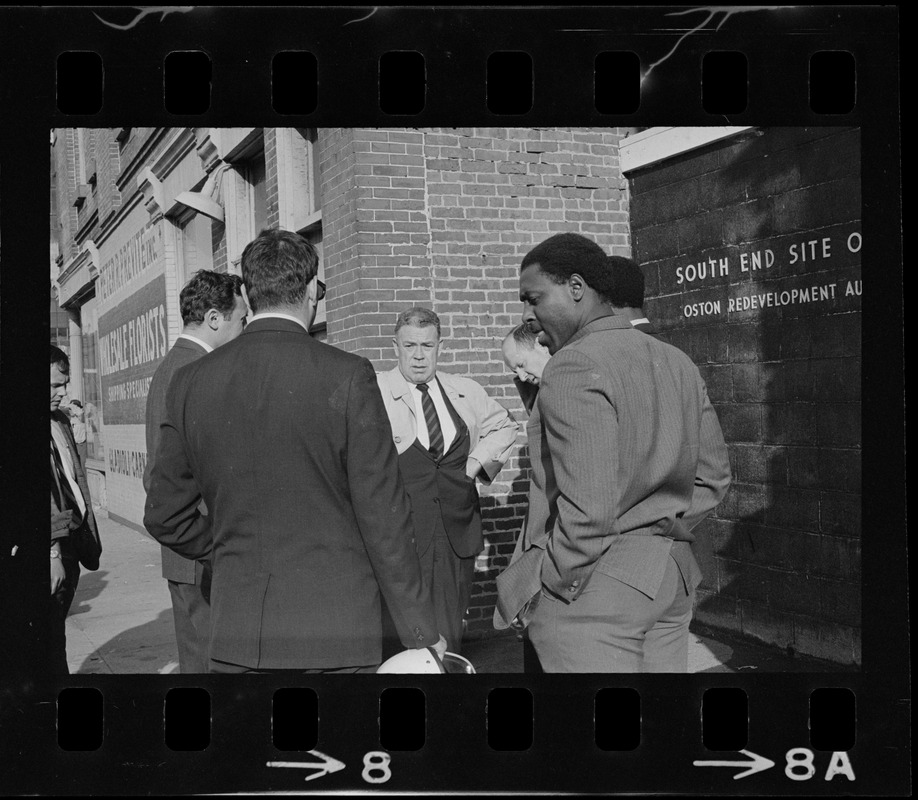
[771,276]
[132,342]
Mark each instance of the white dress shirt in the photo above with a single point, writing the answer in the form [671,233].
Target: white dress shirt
[60,441]
[446,419]
[641,321]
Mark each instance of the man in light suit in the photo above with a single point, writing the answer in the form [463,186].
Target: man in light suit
[71,515]
[448,433]
[287,440]
[213,313]
[627,458]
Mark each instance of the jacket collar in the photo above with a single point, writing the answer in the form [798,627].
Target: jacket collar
[184,343]
[267,323]
[607,323]
[399,385]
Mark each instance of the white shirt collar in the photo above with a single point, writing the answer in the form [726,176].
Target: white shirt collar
[279,315]
[196,340]
[641,321]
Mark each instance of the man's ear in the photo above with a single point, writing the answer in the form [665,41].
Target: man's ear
[576,285]
[212,319]
[245,297]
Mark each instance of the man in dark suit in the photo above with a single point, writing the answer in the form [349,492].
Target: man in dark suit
[626,293]
[287,440]
[213,313]
[627,458]
[71,515]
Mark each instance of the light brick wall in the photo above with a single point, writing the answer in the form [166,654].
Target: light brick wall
[442,218]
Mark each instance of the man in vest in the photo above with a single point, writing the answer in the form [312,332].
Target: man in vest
[448,432]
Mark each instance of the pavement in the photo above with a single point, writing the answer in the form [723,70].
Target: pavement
[121,623]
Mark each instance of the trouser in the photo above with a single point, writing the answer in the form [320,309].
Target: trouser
[225,668]
[612,627]
[60,603]
[448,579]
[191,615]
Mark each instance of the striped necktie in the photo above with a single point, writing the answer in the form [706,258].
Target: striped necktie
[434,431]
[66,499]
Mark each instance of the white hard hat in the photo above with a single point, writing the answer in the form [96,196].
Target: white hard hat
[424,661]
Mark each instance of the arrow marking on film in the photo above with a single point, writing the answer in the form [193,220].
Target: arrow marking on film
[326,767]
[757,764]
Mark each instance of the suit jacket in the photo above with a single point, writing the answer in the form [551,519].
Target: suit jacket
[62,519]
[627,458]
[646,327]
[287,440]
[491,428]
[184,351]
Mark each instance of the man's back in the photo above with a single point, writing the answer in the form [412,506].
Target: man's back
[626,417]
[289,444]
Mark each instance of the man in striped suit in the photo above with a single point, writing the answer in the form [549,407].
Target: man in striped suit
[627,458]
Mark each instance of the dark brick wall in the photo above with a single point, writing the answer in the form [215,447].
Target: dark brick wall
[442,217]
[782,553]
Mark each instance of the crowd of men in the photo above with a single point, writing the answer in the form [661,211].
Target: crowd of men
[319,517]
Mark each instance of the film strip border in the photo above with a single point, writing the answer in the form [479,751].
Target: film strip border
[811,64]
[509,87]
[565,48]
[456,734]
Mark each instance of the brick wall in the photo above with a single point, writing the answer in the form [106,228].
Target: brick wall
[782,553]
[442,218]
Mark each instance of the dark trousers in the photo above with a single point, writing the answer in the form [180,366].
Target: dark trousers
[60,603]
[448,578]
[191,615]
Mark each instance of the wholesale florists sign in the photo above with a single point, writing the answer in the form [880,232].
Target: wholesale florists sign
[794,273]
[132,342]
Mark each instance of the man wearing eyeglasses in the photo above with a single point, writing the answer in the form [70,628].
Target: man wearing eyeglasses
[288,442]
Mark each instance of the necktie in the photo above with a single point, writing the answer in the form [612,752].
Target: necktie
[59,479]
[434,431]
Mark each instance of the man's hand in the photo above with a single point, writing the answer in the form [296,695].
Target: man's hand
[440,647]
[57,574]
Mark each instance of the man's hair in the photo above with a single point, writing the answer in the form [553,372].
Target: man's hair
[60,360]
[627,283]
[76,403]
[418,316]
[524,336]
[206,290]
[277,266]
[564,254]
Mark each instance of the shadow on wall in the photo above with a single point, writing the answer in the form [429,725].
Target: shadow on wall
[781,555]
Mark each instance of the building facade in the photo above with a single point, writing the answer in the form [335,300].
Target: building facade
[750,242]
[401,217]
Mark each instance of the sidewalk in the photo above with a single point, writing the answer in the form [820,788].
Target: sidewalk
[121,623]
